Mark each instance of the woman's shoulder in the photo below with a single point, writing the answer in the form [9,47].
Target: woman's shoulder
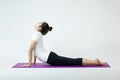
[36,36]
[35,33]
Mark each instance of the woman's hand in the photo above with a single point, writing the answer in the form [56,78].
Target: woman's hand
[26,65]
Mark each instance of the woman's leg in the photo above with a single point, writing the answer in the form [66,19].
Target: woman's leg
[89,62]
[55,59]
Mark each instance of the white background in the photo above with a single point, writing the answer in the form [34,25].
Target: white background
[81,28]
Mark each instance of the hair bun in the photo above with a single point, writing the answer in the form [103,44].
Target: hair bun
[50,28]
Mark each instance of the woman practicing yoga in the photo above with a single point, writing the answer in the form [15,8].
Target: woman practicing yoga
[51,57]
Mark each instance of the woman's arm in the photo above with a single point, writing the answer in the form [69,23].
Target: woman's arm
[30,52]
[34,62]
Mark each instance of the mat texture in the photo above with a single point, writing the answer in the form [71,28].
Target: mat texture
[45,65]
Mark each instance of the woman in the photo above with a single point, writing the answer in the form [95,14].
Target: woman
[51,57]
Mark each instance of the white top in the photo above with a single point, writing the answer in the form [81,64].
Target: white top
[39,50]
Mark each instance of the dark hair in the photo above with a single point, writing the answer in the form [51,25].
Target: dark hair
[45,28]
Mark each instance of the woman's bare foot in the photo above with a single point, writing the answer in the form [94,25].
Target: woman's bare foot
[98,62]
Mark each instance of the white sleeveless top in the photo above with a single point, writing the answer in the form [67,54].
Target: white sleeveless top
[39,50]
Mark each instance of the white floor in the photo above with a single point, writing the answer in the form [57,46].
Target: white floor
[60,74]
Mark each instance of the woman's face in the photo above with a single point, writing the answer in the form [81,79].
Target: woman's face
[38,26]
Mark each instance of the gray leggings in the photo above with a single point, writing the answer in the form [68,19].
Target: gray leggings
[57,60]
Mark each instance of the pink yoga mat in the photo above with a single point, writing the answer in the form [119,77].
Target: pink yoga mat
[45,65]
